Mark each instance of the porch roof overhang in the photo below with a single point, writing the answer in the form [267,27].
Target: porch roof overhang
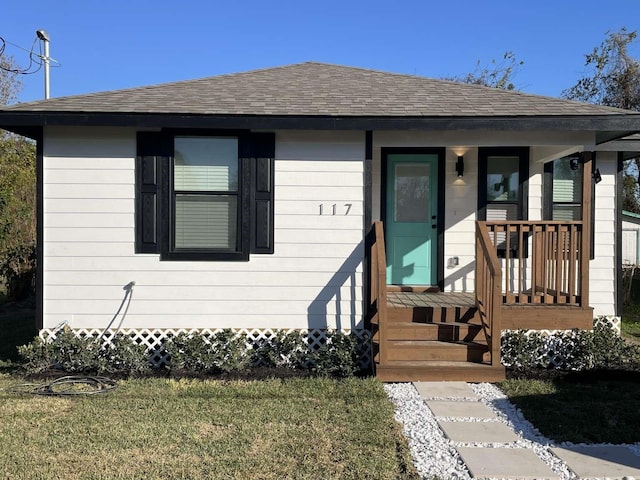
[628,145]
[605,127]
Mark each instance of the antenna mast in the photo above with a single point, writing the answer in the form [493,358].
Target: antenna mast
[44,36]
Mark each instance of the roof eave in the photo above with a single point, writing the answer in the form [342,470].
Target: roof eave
[608,127]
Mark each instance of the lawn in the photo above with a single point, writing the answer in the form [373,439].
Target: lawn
[178,428]
[591,407]
[631,322]
[169,428]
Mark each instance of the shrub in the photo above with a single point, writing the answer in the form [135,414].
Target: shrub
[67,352]
[123,355]
[37,355]
[74,354]
[190,353]
[18,269]
[339,356]
[222,353]
[225,352]
[603,348]
[600,348]
[282,349]
[231,351]
[522,350]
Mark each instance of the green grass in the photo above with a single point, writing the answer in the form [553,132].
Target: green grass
[165,428]
[591,408]
[631,322]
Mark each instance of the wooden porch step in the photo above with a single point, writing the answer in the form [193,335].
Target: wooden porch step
[424,350]
[439,371]
[445,332]
[432,314]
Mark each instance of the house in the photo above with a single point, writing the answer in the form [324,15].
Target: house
[319,197]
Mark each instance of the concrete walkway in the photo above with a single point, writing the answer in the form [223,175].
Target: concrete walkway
[491,448]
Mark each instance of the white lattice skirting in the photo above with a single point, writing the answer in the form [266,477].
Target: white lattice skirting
[611,321]
[155,338]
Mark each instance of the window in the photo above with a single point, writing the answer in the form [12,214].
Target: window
[502,175]
[563,192]
[204,195]
[563,189]
[502,195]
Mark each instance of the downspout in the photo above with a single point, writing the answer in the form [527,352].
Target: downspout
[39,138]
[619,294]
[366,220]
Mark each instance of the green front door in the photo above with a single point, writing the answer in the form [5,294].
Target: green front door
[411,221]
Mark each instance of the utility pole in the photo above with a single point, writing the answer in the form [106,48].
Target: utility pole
[44,36]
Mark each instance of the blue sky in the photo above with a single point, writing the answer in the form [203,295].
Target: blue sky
[113,44]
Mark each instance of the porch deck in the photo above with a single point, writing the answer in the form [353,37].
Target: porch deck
[431,299]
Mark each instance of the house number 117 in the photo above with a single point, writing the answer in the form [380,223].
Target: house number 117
[334,209]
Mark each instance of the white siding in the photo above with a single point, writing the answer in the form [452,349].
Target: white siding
[314,279]
[535,197]
[602,269]
[630,243]
[461,200]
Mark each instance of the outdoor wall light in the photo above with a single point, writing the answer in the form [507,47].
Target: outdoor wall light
[597,178]
[460,166]
[574,163]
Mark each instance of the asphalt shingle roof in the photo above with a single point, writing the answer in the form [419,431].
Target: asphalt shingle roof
[318,89]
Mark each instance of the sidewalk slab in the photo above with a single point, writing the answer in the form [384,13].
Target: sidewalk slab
[512,463]
[478,432]
[445,408]
[444,390]
[588,461]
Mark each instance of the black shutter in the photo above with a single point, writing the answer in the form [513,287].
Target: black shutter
[148,162]
[262,183]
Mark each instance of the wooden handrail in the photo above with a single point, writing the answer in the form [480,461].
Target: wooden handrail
[488,281]
[545,262]
[532,222]
[378,286]
[488,250]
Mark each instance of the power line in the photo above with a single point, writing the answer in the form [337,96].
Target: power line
[36,59]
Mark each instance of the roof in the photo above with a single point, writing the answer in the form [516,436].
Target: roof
[313,88]
[315,95]
[631,216]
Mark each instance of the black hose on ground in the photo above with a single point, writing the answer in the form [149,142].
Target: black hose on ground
[67,386]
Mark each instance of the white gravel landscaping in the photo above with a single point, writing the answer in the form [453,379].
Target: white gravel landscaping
[435,455]
[495,399]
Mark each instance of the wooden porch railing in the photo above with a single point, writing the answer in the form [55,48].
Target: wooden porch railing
[543,262]
[489,290]
[378,288]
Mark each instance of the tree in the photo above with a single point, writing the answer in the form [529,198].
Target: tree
[10,84]
[613,79]
[499,74]
[17,197]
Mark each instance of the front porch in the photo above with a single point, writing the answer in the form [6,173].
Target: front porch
[528,275]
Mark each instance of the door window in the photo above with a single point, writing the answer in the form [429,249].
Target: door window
[411,192]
